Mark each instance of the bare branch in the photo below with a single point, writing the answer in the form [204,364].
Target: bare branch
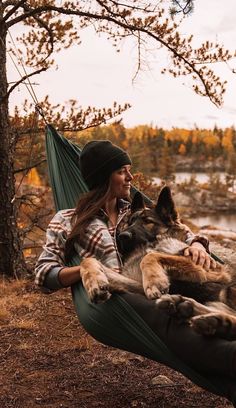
[102,4]
[187,8]
[139,59]
[146,9]
[61,10]
[30,167]
[38,71]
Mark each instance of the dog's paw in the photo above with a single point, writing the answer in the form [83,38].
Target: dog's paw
[176,305]
[153,292]
[155,288]
[96,286]
[215,324]
[98,292]
[94,280]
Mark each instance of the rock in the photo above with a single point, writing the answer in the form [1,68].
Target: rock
[182,200]
[161,380]
[122,357]
[228,255]
[138,404]
[218,232]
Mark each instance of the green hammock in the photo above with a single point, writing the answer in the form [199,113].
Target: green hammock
[114,322]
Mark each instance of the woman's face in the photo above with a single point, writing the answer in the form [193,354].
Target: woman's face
[120,182]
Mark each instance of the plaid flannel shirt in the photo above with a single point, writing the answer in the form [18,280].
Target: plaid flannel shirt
[98,241]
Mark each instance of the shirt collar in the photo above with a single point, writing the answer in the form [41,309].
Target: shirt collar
[123,206]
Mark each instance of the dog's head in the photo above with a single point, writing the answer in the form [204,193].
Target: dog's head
[143,225]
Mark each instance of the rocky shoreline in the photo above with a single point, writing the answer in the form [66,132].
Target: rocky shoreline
[199,201]
[196,200]
[191,165]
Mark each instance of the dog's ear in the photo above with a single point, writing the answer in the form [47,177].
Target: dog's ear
[137,202]
[165,206]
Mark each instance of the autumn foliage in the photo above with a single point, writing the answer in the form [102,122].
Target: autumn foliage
[33,31]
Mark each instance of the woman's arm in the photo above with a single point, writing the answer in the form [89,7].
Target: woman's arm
[69,275]
[58,278]
[51,271]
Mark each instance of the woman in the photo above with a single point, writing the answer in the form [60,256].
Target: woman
[90,230]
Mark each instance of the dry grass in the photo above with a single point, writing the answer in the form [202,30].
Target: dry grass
[47,360]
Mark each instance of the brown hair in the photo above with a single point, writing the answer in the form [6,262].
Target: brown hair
[87,208]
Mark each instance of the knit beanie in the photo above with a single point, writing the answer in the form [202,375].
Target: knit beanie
[98,159]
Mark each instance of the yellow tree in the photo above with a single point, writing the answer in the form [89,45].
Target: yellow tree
[48,26]
[182,149]
[227,141]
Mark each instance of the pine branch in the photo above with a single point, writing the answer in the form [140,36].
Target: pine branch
[13,10]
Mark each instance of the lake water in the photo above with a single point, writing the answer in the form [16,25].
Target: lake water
[224,221]
[201,177]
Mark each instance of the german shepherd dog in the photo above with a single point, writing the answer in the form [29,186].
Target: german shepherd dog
[152,242]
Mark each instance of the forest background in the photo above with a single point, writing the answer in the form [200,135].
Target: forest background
[155,152]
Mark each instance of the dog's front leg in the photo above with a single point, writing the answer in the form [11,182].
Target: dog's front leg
[94,280]
[155,279]
[182,268]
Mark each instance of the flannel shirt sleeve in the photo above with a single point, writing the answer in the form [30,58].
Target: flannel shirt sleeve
[97,242]
[191,238]
[52,256]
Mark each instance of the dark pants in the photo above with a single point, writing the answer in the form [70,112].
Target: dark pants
[125,322]
[205,354]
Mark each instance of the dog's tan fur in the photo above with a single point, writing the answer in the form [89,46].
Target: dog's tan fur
[150,268]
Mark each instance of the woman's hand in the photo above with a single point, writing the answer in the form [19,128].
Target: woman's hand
[199,256]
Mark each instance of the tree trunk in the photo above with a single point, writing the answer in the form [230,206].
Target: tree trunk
[11,256]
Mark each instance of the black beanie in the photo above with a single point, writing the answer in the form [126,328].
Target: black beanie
[98,159]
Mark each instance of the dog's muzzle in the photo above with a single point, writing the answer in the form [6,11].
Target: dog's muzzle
[125,242]
[125,236]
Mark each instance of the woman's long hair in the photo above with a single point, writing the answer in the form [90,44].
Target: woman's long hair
[87,208]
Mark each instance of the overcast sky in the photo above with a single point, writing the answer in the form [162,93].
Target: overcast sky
[95,75]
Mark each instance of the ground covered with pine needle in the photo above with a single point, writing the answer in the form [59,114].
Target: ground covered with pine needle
[48,360]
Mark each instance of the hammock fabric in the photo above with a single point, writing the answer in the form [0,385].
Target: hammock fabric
[114,322]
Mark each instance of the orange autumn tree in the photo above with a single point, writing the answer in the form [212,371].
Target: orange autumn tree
[46,27]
